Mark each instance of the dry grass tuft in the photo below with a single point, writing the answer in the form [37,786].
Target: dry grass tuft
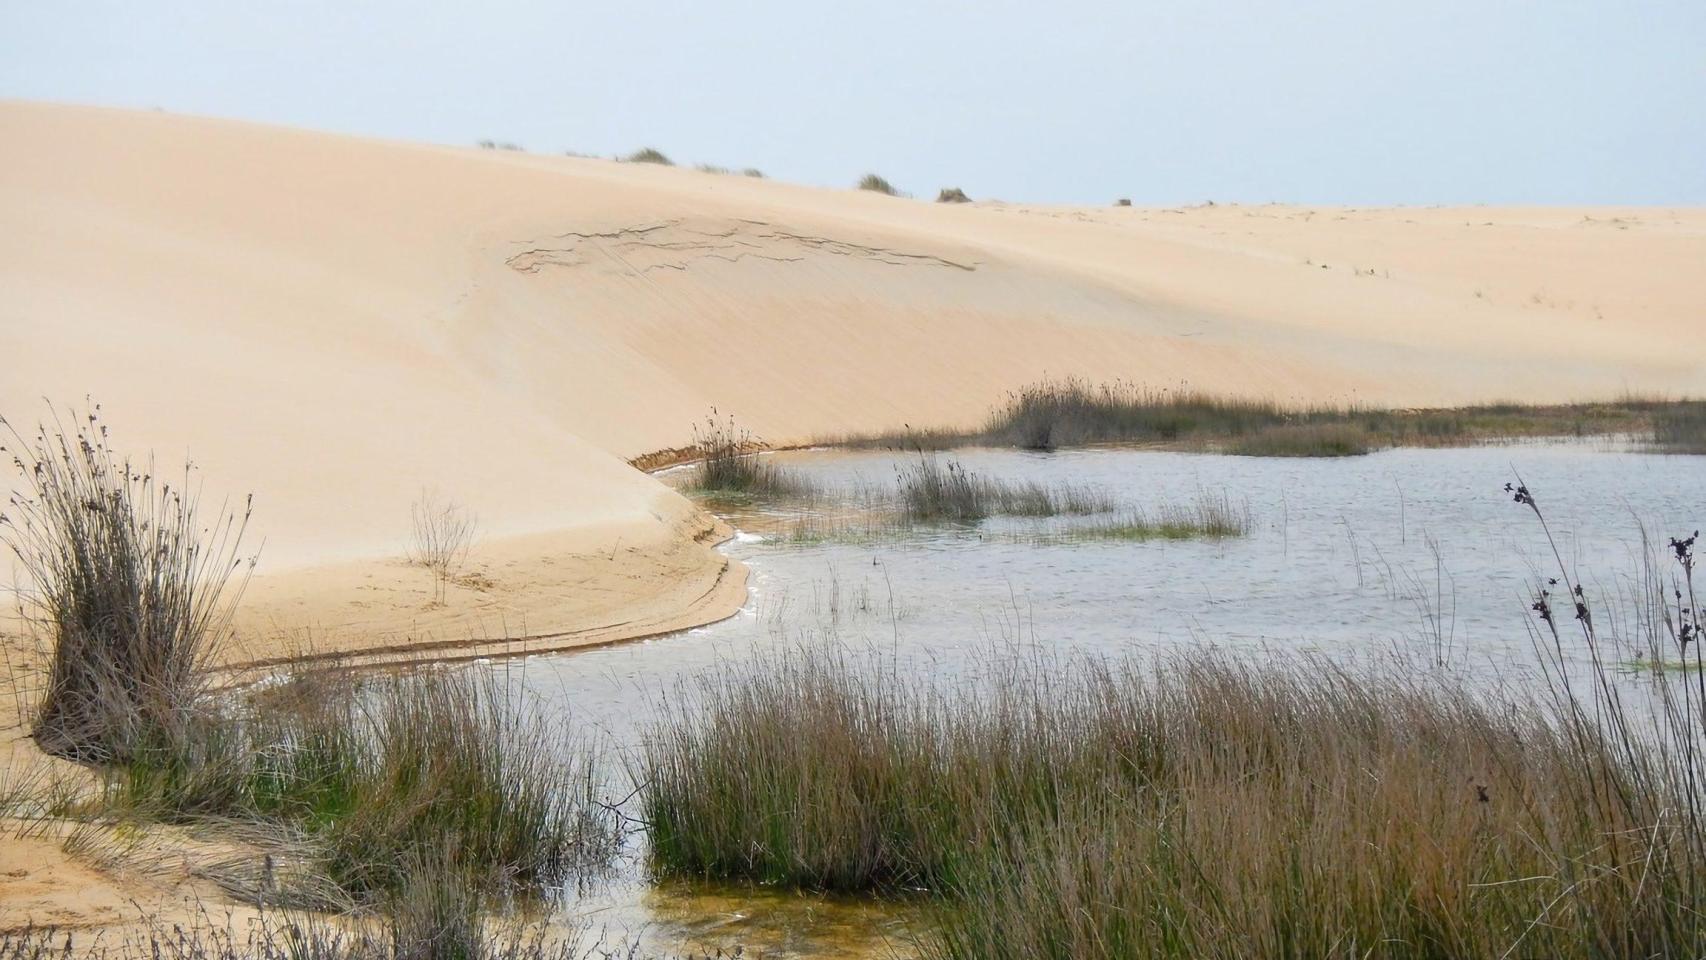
[132,589]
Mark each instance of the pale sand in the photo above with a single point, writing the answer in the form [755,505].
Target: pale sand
[335,324]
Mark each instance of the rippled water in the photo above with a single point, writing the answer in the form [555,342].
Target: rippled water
[1415,553]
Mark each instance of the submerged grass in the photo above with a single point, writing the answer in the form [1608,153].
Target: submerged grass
[1211,516]
[934,490]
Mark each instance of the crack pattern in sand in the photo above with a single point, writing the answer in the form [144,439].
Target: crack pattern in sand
[681,244]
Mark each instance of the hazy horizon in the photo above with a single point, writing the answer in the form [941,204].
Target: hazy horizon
[1528,103]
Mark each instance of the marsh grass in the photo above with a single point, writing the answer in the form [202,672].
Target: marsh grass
[366,776]
[731,467]
[129,584]
[1210,516]
[1304,440]
[1072,412]
[935,490]
[1681,428]
[1206,807]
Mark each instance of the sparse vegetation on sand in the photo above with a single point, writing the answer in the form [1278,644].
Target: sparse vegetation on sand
[1211,808]
[952,195]
[132,587]
[731,465]
[872,182]
[649,155]
[444,533]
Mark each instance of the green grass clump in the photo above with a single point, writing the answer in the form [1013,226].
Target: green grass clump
[649,155]
[872,182]
[1304,440]
[368,775]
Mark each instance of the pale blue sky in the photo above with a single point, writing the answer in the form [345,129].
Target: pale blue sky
[1438,101]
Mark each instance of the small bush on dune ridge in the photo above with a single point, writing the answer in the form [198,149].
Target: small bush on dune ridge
[952,195]
[130,589]
[730,464]
[872,182]
[649,155]
[370,774]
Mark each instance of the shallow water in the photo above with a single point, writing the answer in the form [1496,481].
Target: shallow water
[1412,554]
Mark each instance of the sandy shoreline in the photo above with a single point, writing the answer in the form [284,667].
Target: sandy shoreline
[336,324]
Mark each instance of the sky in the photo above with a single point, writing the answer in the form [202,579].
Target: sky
[1362,103]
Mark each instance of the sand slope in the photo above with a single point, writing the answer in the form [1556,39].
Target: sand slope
[334,323]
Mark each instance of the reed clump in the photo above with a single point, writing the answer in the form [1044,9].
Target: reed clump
[1071,412]
[131,587]
[934,490]
[730,465]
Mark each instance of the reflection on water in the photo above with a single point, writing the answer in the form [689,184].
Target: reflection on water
[1417,553]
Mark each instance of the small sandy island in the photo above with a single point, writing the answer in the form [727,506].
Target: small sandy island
[337,324]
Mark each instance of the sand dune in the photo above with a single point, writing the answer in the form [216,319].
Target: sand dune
[335,324]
